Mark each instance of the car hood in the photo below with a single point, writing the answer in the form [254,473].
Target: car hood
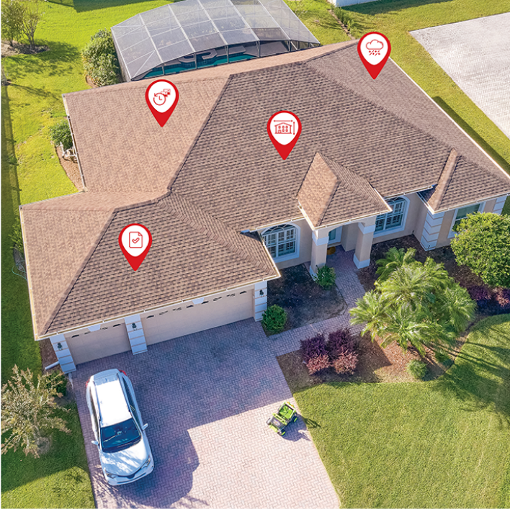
[128,461]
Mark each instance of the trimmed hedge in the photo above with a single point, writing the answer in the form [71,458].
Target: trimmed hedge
[100,59]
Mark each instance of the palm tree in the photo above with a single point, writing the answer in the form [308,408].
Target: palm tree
[394,259]
[456,308]
[370,309]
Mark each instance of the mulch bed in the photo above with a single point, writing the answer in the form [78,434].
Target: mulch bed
[72,170]
[461,274]
[48,355]
[376,365]
[302,298]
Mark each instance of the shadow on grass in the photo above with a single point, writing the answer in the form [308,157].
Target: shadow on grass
[58,60]
[480,377]
[384,6]
[92,5]
[471,132]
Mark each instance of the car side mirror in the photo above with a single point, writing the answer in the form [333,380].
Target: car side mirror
[144,426]
[95,442]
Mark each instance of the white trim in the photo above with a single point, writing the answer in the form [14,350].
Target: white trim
[319,241]
[452,234]
[260,286]
[404,220]
[500,201]
[360,265]
[366,229]
[94,328]
[427,245]
[290,256]
[198,301]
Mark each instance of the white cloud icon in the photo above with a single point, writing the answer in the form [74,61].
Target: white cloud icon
[375,44]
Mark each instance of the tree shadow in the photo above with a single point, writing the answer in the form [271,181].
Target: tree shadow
[480,378]
[385,6]
[91,5]
[473,133]
[57,61]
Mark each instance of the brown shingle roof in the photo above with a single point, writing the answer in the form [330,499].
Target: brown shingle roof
[331,193]
[225,176]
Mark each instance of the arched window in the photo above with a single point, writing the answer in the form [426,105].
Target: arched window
[395,219]
[282,241]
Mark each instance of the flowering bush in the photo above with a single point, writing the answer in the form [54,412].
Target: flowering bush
[346,361]
[501,299]
[340,340]
[481,294]
[314,354]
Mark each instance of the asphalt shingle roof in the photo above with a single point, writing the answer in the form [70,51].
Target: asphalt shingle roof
[212,172]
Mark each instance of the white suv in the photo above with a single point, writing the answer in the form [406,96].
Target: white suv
[123,447]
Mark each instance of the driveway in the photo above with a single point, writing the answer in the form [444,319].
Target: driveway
[207,397]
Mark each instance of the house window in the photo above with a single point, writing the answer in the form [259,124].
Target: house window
[463,213]
[281,241]
[394,219]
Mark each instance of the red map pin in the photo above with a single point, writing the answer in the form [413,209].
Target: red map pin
[374,50]
[284,129]
[135,241]
[162,97]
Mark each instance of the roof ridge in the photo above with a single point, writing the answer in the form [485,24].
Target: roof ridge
[444,179]
[333,190]
[209,224]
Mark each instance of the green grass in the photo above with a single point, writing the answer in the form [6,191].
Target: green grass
[442,443]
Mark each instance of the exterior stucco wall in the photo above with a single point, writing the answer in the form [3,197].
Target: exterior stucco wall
[350,236]
[446,225]
[186,318]
[86,346]
[305,245]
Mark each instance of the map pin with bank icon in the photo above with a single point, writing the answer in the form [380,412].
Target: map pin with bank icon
[284,129]
[162,97]
[135,241]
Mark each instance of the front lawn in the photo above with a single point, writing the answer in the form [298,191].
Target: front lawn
[442,443]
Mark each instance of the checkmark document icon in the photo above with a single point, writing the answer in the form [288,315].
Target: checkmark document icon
[135,241]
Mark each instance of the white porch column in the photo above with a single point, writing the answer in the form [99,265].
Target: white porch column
[259,300]
[431,230]
[59,344]
[498,206]
[319,250]
[136,335]
[364,242]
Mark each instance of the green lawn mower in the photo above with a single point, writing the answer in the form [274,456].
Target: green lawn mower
[279,421]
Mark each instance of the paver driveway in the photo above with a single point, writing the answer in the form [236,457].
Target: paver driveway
[206,398]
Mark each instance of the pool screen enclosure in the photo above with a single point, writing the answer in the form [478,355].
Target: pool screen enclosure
[192,34]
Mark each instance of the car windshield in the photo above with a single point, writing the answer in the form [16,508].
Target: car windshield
[119,436]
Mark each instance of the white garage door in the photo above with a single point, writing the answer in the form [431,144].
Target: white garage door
[185,319]
[88,346]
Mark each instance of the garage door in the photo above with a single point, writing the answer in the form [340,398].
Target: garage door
[185,319]
[88,346]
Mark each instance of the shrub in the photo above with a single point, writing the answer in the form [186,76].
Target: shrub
[274,319]
[16,236]
[501,300]
[483,244]
[314,354]
[325,277]
[481,294]
[441,356]
[59,381]
[60,133]
[339,341]
[345,361]
[100,59]
[28,412]
[417,369]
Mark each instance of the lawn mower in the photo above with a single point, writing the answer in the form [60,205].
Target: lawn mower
[279,421]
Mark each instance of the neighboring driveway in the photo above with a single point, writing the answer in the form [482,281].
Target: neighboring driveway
[476,55]
[206,398]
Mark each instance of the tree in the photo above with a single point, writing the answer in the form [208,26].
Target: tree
[60,133]
[31,17]
[394,258]
[28,411]
[482,243]
[100,59]
[13,12]
[417,304]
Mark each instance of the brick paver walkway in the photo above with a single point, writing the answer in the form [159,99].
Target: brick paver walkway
[206,398]
[351,290]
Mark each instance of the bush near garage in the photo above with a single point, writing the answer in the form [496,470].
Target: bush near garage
[100,59]
[274,319]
